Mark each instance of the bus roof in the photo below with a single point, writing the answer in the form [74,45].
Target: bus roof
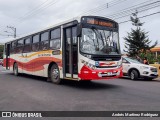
[52,26]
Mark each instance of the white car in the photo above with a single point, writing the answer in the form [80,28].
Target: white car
[135,69]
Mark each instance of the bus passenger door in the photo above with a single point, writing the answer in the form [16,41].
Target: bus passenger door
[8,56]
[26,55]
[70,53]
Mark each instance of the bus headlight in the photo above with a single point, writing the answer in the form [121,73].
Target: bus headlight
[91,66]
[88,64]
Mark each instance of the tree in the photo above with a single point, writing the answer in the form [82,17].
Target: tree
[137,40]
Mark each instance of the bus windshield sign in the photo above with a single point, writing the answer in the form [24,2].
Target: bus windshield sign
[100,22]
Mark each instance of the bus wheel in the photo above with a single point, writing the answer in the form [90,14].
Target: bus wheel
[54,74]
[15,70]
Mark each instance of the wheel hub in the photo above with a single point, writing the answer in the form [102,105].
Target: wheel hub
[132,75]
[55,73]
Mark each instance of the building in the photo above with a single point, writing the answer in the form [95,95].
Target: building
[156,50]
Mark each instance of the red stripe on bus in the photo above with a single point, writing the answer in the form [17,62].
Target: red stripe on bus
[34,65]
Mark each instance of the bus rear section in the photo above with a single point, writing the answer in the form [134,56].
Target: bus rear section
[84,49]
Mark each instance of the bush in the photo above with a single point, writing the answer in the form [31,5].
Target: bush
[150,56]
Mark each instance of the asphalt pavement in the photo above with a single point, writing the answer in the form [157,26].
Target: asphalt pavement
[32,93]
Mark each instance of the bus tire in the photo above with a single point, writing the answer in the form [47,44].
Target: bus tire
[15,69]
[55,74]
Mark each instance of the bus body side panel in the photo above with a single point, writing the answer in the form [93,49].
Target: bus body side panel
[15,58]
[37,63]
[19,60]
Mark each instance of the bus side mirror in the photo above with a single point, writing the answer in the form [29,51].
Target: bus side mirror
[79,29]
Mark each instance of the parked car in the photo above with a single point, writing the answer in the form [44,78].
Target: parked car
[135,69]
[1,62]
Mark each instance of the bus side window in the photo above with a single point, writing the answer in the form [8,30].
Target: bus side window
[44,43]
[27,45]
[55,39]
[5,49]
[20,44]
[13,47]
[35,43]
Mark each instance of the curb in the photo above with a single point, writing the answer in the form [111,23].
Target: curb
[157,78]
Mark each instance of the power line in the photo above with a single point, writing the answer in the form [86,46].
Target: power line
[141,17]
[100,7]
[141,10]
[92,10]
[13,29]
[34,9]
[39,8]
[28,13]
[123,11]
[37,11]
[103,6]
[131,9]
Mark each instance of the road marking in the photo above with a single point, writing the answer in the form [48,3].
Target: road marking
[4,71]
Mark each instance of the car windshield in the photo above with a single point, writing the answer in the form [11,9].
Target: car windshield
[101,42]
[131,60]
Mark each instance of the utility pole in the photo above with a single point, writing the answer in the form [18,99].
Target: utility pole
[13,29]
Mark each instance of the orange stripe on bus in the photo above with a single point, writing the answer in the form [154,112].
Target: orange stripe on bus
[40,52]
[36,64]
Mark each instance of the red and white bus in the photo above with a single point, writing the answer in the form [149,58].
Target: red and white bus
[86,48]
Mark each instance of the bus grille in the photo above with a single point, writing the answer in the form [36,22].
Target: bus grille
[106,66]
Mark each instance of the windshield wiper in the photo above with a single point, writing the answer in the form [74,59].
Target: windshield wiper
[98,34]
[94,30]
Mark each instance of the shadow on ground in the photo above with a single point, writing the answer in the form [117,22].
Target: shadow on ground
[98,84]
[140,79]
[89,84]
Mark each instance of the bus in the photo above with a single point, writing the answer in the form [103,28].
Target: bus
[84,48]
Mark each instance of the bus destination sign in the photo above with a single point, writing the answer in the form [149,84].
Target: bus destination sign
[99,22]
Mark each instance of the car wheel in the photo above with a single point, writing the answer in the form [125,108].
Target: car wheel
[15,69]
[55,74]
[134,75]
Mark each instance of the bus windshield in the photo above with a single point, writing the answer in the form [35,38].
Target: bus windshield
[99,42]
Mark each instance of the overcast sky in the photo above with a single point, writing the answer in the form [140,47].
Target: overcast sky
[33,15]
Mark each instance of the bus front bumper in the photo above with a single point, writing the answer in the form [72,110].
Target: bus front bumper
[99,74]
